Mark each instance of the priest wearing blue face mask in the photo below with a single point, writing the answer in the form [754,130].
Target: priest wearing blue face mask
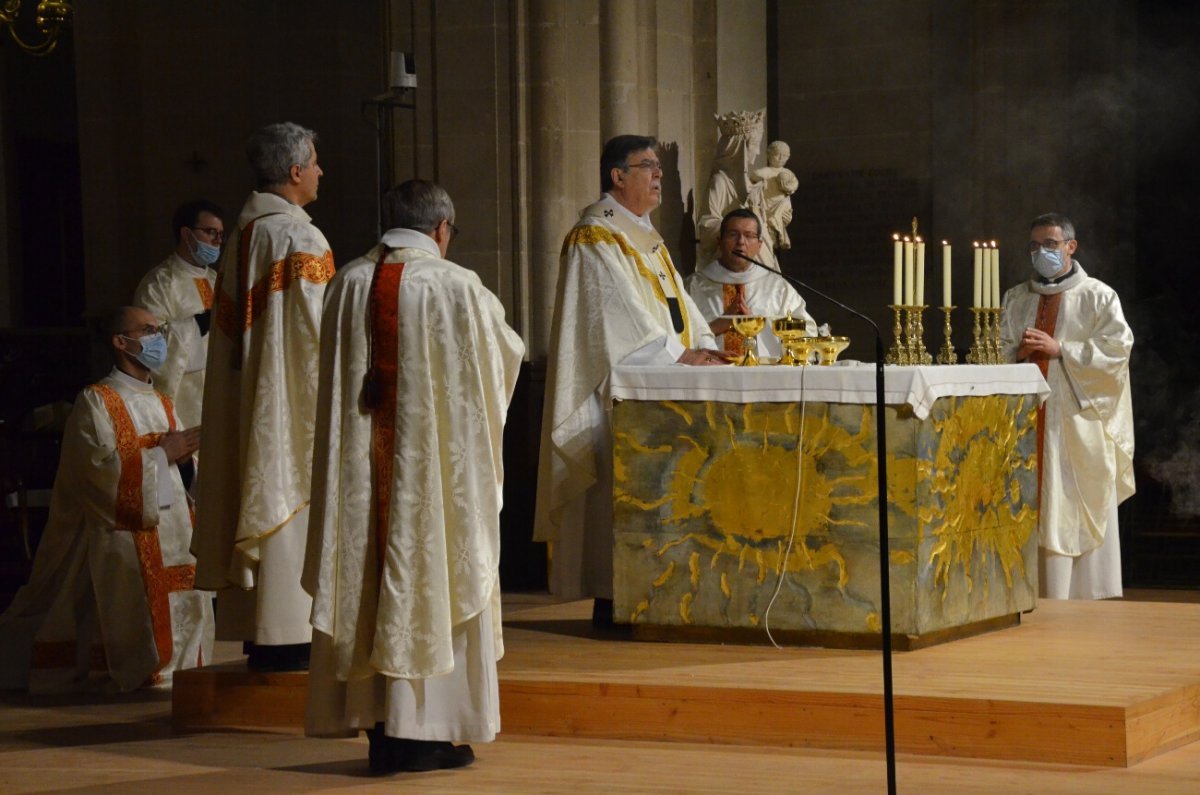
[111,603]
[179,291]
[1071,326]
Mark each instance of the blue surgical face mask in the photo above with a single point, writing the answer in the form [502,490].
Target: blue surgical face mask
[154,350]
[1047,263]
[203,253]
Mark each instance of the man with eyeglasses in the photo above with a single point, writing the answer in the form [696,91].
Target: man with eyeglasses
[729,285]
[619,301]
[417,370]
[111,602]
[260,397]
[179,291]
[1071,325]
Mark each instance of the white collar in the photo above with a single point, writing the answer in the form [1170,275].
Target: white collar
[641,220]
[717,272]
[410,238]
[125,378]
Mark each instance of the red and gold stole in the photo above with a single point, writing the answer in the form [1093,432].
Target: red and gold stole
[1046,320]
[204,289]
[733,294]
[379,391]
[158,581]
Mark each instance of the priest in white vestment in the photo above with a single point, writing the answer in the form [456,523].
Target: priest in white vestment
[729,285]
[417,369]
[111,603]
[259,406]
[179,292]
[619,301]
[1071,325]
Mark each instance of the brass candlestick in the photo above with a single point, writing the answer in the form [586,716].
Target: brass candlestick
[997,353]
[898,354]
[977,354]
[916,339]
[947,355]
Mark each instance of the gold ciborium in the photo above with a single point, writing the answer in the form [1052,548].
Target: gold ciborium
[830,347]
[793,337]
[749,327]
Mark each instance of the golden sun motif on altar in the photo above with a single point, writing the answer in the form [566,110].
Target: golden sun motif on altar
[974,481]
[729,458]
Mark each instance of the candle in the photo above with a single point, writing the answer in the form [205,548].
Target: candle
[945,273]
[897,274]
[995,275]
[908,272]
[987,277]
[920,291]
[978,276]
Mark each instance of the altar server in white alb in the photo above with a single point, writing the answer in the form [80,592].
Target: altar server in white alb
[729,285]
[179,292]
[1072,327]
[619,301]
[259,406]
[417,370]
[111,601]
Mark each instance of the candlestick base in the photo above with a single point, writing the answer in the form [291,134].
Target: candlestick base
[947,355]
[978,352]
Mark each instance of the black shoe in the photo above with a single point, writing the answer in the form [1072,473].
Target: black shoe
[378,757]
[418,755]
[276,659]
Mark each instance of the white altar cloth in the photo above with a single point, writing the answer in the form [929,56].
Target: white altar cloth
[850,382]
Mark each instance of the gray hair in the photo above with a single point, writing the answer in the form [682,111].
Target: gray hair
[1054,219]
[417,204]
[273,150]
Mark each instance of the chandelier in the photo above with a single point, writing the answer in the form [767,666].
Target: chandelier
[52,16]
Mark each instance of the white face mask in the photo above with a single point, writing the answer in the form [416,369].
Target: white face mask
[154,350]
[1047,263]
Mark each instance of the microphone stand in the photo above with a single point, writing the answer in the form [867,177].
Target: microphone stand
[885,589]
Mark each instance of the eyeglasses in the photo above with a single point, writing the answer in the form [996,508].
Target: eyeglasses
[453,230]
[749,237]
[649,165]
[211,231]
[1050,244]
[147,330]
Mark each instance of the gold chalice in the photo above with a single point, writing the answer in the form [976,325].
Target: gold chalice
[830,347]
[793,337]
[749,327]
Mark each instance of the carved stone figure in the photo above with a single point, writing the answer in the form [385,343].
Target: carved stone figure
[740,137]
[771,196]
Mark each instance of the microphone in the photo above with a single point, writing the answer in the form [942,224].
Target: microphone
[885,595]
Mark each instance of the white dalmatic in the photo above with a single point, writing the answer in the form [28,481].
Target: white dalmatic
[259,403]
[111,600]
[178,293]
[417,370]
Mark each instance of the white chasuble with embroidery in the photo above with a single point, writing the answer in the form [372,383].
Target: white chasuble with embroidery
[767,294]
[618,291]
[417,369]
[180,294]
[1087,444]
[112,588]
[260,393]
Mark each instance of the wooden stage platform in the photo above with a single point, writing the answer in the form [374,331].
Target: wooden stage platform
[1093,683]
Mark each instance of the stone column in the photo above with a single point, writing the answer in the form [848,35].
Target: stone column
[549,199]
[619,84]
